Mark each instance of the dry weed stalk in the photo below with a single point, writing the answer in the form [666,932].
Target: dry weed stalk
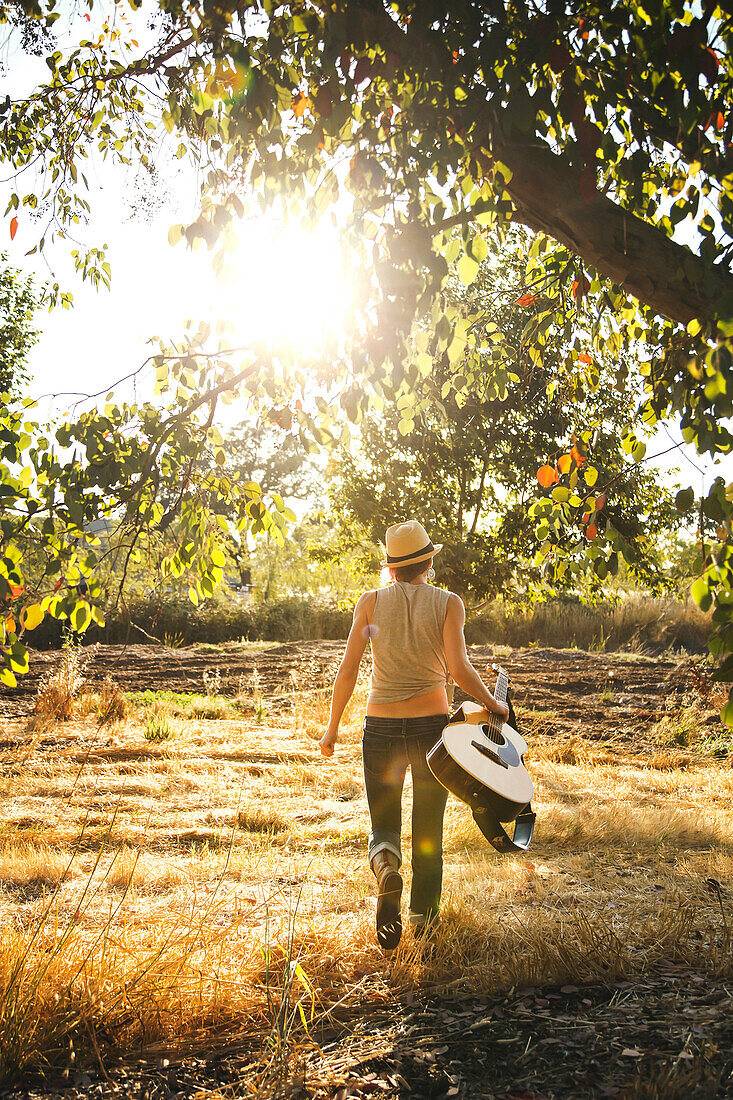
[58,691]
[111,703]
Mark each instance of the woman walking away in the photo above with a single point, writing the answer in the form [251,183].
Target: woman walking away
[416,635]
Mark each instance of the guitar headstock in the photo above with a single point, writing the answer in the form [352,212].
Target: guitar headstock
[501,672]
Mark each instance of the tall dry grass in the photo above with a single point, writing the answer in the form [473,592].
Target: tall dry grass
[636,619]
[637,622]
[217,885]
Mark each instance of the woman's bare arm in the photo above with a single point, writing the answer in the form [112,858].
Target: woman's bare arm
[459,666]
[348,670]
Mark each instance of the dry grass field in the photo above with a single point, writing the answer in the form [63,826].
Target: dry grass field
[183,873]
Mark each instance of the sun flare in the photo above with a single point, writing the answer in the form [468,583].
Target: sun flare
[288,286]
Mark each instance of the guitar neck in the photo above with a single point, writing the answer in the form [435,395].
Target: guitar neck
[502,684]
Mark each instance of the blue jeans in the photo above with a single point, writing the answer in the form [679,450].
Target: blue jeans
[389,745]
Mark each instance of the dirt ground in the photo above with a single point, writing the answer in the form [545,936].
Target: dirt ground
[599,695]
[664,1030]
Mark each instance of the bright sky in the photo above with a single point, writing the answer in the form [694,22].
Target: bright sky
[287,284]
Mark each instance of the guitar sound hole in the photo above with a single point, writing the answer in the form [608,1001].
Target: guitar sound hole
[494,735]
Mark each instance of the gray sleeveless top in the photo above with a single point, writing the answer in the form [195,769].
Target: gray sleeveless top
[408,656]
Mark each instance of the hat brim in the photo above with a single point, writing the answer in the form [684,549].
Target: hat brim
[411,561]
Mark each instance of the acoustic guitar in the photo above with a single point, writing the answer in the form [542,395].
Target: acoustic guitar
[480,760]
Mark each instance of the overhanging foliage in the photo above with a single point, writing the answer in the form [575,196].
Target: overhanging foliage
[604,127]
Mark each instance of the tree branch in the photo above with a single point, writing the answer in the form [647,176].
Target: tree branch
[664,275]
[545,188]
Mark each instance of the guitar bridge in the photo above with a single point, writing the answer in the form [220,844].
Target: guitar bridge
[486,751]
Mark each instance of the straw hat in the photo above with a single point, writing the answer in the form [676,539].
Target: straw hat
[408,543]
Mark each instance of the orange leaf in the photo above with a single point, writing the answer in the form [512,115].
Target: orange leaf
[455,57]
[586,517]
[600,502]
[16,590]
[591,531]
[584,357]
[547,476]
[564,463]
[580,287]
[526,300]
[301,104]
[13,227]
[10,624]
[579,458]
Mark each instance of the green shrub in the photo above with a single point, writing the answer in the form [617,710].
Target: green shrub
[157,725]
[224,618]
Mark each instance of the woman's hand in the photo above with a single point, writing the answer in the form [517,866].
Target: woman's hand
[328,742]
[500,709]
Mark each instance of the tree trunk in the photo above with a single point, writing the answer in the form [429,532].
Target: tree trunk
[480,499]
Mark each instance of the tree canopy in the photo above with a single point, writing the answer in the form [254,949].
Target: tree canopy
[18,304]
[471,461]
[604,127]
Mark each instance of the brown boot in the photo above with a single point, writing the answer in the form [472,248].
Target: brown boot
[389,920]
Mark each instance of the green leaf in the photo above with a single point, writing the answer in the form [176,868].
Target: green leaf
[81,616]
[700,592]
[684,499]
[8,678]
[467,269]
[478,248]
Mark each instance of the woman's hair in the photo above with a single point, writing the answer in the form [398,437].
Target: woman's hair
[409,572]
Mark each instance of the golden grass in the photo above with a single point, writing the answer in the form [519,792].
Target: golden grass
[217,884]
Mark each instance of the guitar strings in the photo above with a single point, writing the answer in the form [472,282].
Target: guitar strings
[494,724]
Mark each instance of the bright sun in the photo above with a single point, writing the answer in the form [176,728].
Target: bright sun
[287,286]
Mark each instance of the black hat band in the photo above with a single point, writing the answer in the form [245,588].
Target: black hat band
[415,553]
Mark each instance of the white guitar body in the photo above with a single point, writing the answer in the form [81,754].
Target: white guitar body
[469,743]
[480,759]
